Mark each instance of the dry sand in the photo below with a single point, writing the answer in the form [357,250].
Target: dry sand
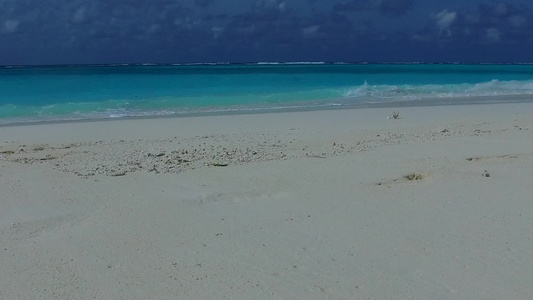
[307,205]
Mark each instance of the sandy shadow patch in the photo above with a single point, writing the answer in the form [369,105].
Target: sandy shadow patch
[409,177]
[494,157]
[235,197]
[21,231]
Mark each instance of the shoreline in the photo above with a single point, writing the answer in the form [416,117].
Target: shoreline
[425,102]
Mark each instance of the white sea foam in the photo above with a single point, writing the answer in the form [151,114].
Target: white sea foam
[201,64]
[306,63]
[413,92]
[289,63]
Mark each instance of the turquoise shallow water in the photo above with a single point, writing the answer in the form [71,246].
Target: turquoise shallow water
[30,94]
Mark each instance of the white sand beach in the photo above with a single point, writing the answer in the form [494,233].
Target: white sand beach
[296,205]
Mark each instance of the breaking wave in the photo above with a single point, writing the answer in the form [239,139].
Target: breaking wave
[416,92]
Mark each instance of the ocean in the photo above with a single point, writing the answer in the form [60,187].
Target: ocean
[65,93]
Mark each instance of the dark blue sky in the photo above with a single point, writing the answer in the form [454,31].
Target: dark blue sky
[177,31]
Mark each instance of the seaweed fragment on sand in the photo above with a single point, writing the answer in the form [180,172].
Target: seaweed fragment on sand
[414,176]
[219,164]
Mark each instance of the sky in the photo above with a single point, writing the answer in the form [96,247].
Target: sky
[38,32]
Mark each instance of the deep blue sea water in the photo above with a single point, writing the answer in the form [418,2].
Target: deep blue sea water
[29,94]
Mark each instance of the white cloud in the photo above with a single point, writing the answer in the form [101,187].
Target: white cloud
[79,15]
[152,29]
[282,6]
[247,29]
[10,26]
[271,4]
[444,20]
[501,9]
[187,23]
[420,38]
[310,31]
[216,31]
[518,21]
[493,35]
